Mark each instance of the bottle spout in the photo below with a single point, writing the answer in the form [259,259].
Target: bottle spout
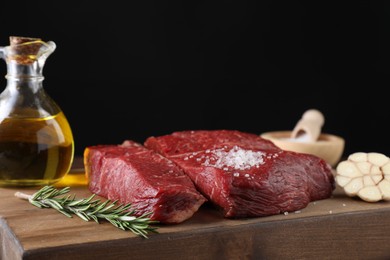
[46,49]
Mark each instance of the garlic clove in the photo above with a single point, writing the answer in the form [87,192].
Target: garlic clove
[368,181]
[377,159]
[386,168]
[384,187]
[348,169]
[377,178]
[342,181]
[375,170]
[364,167]
[358,157]
[370,194]
[353,187]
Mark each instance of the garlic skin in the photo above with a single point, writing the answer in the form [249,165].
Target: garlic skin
[366,175]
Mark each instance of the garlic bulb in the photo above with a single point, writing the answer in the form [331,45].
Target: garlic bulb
[366,175]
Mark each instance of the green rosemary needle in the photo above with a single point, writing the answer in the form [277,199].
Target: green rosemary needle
[121,216]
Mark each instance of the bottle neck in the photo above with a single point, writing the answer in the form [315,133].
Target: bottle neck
[24,71]
[24,84]
[21,77]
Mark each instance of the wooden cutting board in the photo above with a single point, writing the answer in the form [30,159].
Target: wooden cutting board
[336,228]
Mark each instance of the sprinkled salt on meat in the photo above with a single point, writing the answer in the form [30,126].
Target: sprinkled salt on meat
[237,158]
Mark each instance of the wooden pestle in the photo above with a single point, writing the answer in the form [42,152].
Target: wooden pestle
[310,125]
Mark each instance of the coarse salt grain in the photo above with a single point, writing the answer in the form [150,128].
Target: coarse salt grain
[237,158]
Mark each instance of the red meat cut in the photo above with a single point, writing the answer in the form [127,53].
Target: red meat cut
[244,174]
[130,173]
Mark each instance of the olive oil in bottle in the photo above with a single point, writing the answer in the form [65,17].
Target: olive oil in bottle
[35,151]
[36,141]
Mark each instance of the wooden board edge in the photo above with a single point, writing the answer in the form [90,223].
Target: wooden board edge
[10,247]
[338,236]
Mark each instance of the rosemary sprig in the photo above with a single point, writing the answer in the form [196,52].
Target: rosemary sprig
[121,216]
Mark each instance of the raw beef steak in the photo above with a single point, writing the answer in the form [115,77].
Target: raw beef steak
[244,174]
[151,183]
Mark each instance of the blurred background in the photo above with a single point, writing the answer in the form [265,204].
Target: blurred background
[130,70]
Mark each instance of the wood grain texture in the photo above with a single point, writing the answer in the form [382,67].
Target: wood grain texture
[336,228]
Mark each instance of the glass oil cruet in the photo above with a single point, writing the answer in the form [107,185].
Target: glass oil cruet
[36,141]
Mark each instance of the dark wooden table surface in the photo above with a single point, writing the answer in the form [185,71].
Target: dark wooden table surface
[335,228]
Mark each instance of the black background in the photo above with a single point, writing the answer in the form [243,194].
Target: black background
[125,70]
